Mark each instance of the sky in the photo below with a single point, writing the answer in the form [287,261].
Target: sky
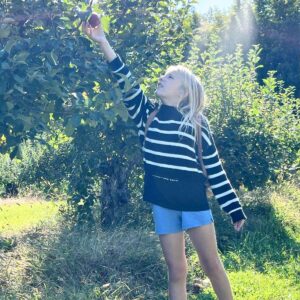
[204,5]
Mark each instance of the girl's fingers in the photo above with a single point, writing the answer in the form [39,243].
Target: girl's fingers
[238,225]
[85,27]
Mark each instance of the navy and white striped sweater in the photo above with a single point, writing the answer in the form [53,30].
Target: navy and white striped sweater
[170,157]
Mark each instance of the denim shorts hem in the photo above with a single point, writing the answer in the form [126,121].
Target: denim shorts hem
[168,232]
[173,221]
[200,225]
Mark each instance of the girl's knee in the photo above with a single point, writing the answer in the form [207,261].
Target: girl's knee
[212,266]
[177,271]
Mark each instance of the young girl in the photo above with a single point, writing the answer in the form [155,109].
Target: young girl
[173,175]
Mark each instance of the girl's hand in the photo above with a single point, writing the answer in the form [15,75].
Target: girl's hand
[239,224]
[96,34]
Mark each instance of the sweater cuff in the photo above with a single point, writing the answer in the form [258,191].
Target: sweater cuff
[238,215]
[116,63]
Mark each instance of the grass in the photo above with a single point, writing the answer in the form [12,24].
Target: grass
[253,285]
[60,262]
[18,215]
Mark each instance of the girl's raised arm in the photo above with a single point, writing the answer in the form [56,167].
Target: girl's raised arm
[138,105]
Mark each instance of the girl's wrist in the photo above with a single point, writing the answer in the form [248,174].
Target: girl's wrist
[108,51]
[102,42]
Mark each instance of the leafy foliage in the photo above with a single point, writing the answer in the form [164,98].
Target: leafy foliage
[279,31]
[256,126]
[55,81]
[55,76]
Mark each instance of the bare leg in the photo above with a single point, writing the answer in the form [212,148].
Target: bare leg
[205,243]
[173,246]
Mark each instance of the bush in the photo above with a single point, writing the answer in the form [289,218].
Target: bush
[36,168]
[256,128]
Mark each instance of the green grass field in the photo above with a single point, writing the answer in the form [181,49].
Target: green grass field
[20,215]
[53,262]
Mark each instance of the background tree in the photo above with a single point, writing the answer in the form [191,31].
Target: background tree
[279,31]
[56,89]
[52,73]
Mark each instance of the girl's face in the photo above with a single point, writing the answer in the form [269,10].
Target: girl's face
[169,88]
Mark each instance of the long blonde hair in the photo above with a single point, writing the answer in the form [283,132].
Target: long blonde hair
[194,103]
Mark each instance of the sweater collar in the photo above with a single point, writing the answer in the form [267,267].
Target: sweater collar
[169,107]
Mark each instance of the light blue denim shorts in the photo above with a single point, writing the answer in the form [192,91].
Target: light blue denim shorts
[171,221]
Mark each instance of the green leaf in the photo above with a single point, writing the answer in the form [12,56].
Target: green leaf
[4,31]
[121,111]
[28,122]
[50,106]
[66,19]
[45,118]
[92,123]
[69,129]
[94,115]
[163,3]
[20,89]
[3,86]
[36,75]
[5,66]
[19,79]
[21,56]
[75,120]
[9,105]
[105,21]
[10,43]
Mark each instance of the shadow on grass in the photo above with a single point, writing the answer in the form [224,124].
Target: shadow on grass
[264,240]
[121,263]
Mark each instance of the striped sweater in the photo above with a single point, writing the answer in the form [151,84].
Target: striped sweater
[170,157]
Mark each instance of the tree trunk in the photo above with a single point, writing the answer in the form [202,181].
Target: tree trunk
[114,193]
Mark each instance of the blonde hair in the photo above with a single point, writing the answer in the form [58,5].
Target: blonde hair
[194,103]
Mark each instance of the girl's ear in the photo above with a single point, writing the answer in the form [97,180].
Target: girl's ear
[184,94]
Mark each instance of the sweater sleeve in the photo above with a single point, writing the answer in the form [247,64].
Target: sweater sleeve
[138,105]
[217,177]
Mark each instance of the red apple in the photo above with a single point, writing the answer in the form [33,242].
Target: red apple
[94,20]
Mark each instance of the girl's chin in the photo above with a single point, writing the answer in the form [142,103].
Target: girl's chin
[158,93]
